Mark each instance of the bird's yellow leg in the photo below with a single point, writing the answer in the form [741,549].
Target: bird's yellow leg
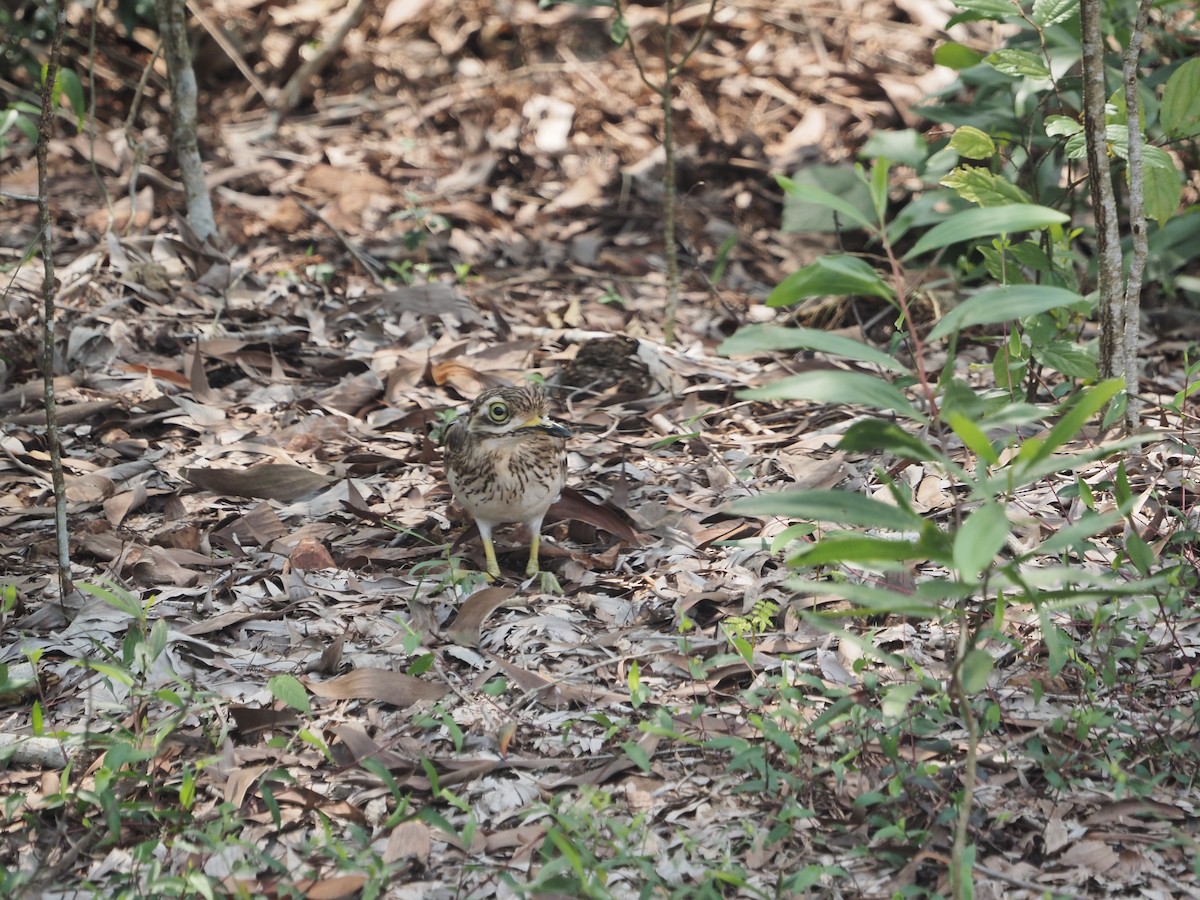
[489,552]
[532,568]
[548,583]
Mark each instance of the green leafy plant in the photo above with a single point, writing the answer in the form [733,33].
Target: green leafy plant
[996,210]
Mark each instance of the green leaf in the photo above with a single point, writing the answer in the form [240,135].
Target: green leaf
[27,127]
[896,699]
[1019,63]
[830,276]
[1139,553]
[1179,113]
[976,669]
[1122,490]
[1069,424]
[1116,138]
[954,55]
[877,183]
[844,549]
[872,435]
[70,85]
[156,641]
[742,646]
[1072,360]
[619,30]
[973,437]
[874,599]
[841,507]
[1162,188]
[288,689]
[975,223]
[637,754]
[1056,641]
[808,207]
[982,186]
[754,339]
[1003,304]
[8,118]
[118,674]
[1062,126]
[906,147]
[836,386]
[972,142]
[1050,12]
[117,597]
[1007,480]
[1069,537]
[989,9]
[790,535]
[979,539]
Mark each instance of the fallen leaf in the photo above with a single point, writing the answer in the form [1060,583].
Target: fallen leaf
[377,684]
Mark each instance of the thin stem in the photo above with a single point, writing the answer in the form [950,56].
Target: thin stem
[672,258]
[960,871]
[1137,215]
[1104,203]
[918,346]
[45,126]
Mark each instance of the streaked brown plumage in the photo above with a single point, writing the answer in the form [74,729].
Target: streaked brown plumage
[506,462]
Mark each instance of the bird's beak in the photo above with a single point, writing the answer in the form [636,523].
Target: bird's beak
[547,426]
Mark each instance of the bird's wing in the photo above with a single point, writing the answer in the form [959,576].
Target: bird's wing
[456,437]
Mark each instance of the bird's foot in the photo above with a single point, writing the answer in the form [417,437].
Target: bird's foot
[547,583]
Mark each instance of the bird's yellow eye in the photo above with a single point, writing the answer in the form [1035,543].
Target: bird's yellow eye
[498,412]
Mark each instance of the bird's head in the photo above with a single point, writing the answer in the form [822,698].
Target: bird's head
[513,411]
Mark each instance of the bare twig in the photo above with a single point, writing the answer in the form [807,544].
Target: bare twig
[371,266]
[1104,201]
[666,90]
[45,126]
[960,873]
[137,148]
[1137,217]
[218,35]
[172,28]
[91,119]
[290,95]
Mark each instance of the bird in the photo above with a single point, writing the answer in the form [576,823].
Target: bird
[506,462]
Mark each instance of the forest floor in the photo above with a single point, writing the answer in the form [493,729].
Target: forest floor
[470,194]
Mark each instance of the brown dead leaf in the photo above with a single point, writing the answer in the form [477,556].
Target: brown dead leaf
[464,628]
[150,565]
[354,746]
[648,742]
[521,836]
[548,692]
[333,888]
[118,507]
[575,505]
[383,685]
[1093,856]
[309,555]
[330,658]
[257,528]
[464,379]
[408,840]
[250,719]
[270,481]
